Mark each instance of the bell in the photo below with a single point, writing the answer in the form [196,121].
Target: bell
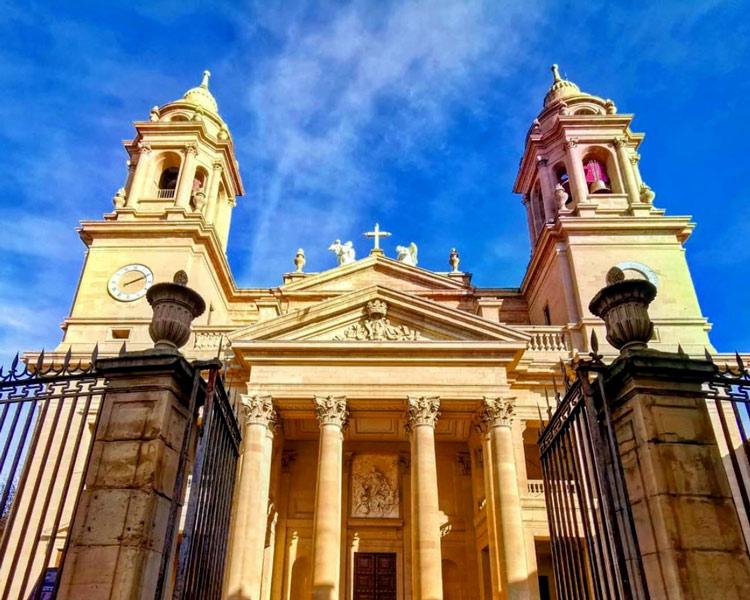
[599,187]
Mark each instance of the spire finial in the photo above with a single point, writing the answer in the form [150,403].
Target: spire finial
[556,73]
[206,75]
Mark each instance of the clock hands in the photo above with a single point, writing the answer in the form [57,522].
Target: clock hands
[134,280]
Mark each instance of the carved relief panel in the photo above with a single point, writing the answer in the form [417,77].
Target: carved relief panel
[375,489]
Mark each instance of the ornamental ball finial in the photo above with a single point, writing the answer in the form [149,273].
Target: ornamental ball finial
[614,275]
[180,278]
[206,76]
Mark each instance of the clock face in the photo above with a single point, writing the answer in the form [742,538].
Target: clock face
[130,282]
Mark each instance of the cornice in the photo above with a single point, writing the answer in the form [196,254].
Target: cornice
[564,227]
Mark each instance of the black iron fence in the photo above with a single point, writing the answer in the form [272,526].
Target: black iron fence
[47,420]
[728,403]
[203,548]
[593,539]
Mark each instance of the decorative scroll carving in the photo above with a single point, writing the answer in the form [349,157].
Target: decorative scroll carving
[499,411]
[287,459]
[375,486]
[332,410]
[259,410]
[377,327]
[422,410]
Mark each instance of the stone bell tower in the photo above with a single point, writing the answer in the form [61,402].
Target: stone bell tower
[588,210]
[173,213]
[182,165]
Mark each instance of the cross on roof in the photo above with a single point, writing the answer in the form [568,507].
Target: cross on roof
[377,234]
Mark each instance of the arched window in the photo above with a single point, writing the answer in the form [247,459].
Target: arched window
[168,170]
[598,166]
[198,192]
[561,178]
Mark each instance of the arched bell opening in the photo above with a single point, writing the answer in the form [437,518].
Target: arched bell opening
[198,197]
[168,170]
[600,171]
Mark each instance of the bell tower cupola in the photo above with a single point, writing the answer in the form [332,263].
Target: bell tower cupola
[581,159]
[182,165]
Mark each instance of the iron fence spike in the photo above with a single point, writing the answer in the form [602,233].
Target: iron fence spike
[66,360]
[740,364]
[707,354]
[123,349]
[14,364]
[594,342]
[95,354]
[40,361]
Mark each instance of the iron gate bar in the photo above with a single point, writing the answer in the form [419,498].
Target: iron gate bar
[177,491]
[34,390]
[592,532]
[205,539]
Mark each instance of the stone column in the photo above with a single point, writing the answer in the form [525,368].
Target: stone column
[626,168]
[499,415]
[140,177]
[119,526]
[213,192]
[277,576]
[326,571]
[530,219]
[249,527]
[688,530]
[548,189]
[578,187]
[427,573]
[187,175]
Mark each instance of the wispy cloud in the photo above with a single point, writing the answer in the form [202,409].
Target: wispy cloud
[358,86]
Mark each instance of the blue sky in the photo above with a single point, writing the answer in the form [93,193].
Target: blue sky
[343,113]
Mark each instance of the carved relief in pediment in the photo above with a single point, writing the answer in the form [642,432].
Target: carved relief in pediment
[376,326]
[375,490]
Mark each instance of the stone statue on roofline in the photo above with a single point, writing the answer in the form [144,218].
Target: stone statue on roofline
[407,254]
[344,252]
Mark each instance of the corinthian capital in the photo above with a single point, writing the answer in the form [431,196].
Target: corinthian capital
[571,143]
[498,411]
[144,148]
[422,410]
[620,141]
[190,148]
[332,410]
[259,410]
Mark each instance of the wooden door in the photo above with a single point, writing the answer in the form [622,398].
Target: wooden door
[374,576]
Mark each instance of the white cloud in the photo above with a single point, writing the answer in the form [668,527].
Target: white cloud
[359,86]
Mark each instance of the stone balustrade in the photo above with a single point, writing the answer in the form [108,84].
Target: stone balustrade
[547,338]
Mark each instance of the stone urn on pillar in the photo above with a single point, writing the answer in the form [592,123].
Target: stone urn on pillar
[623,305]
[175,306]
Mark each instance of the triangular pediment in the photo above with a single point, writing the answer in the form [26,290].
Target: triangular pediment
[378,314]
[376,270]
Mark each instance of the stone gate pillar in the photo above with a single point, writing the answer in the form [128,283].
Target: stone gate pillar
[117,536]
[689,536]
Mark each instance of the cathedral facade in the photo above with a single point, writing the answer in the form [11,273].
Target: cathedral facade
[390,414]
